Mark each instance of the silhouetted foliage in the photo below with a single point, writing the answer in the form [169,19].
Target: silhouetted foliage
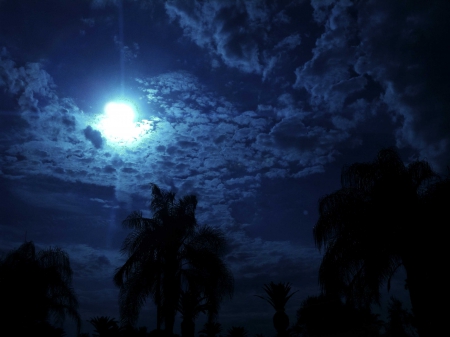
[36,291]
[211,329]
[130,331]
[375,223]
[173,260]
[48,330]
[160,333]
[400,322]
[190,306]
[237,331]
[277,296]
[329,316]
[105,326]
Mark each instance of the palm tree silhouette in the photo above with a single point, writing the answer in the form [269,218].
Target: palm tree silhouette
[167,255]
[277,296]
[374,224]
[211,329]
[328,316]
[237,331]
[36,288]
[105,326]
[400,322]
[190,306]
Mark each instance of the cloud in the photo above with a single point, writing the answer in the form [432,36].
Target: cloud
[94,136]
[255,262]
[202,143]
[200,139]
[237,32]
[103,3]
[407,54]
[290,42]
[127,53]
[382,56]
[29,83]
[226,141]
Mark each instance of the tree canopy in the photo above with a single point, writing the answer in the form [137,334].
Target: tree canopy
[36,290]
[375,223]
[173,260]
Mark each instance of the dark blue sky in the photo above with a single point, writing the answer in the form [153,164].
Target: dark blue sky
[254,106]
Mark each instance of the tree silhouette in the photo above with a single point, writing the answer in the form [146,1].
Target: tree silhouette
[400,322]
[375,223]
[237,331]
[329,316]
[211,329]
[130,331]
[277,296]
[105,326]
[35,289]
[170,255]
[190,306]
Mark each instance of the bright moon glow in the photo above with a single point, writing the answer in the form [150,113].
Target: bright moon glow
[119,120]
[118,123]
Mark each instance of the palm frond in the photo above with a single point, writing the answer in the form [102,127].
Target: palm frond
[277,294]
[237,331]
[171,259]
[365,227]
[133,295]
[43,280]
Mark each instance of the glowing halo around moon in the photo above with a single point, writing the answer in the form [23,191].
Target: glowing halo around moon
[118,123]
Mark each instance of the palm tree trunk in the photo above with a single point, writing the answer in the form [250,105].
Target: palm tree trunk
[158,304]
[420,294]
[158,317]
[187,328]
[169,312]
[169,324]
[172,288]
[281,323]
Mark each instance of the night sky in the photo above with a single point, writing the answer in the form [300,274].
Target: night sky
[253,106]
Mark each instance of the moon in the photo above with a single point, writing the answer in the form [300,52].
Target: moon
[121,125]
[118,113]
[118,123]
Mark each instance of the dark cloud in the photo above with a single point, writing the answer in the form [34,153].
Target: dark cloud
[409,57]
[109,169]
[94,136]
[398,46]
[238,32]
[129,170]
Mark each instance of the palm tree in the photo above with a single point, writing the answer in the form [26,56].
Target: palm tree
[36,288]
[237,331]
[374,224]
[105,326]
[191,305]
[400,321]
[166,255]
[211,329]
[277,296]
[329,316]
